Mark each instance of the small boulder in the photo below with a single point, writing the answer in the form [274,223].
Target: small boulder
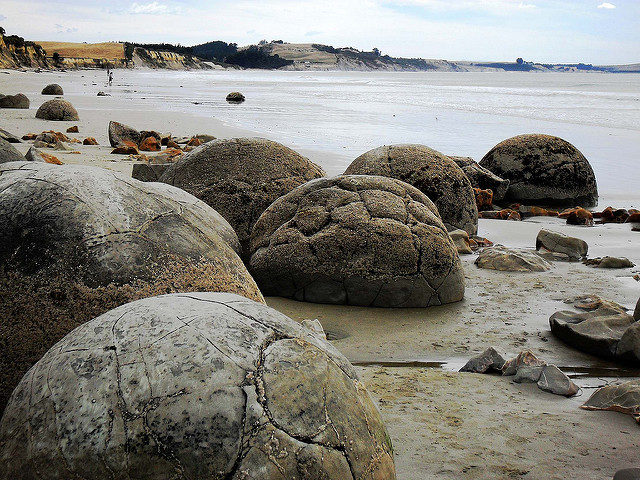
[102,94]
[126,148]
[73,129]
[611,215]
[482,178]
[14,101]
[511,260]
[235,97]
[578,216]
[4,135]
[573,247]
[52,89]
[461,241]
[58,110]
[150,144]
[35,155]
[119,132]
[29,136]
[194,142]
[609,262]
[524,359]
[554,380]
[90,141]
[488,361]
[9,153]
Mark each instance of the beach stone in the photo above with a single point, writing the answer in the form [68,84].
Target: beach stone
[481,178]
[35,155]
[9,153]
[627,474]
[544,170]
[204,137]
[57,109]
[144,134]
[623,398]
[504,214]
[628,348]
[200,386]
[610,262]
[356,240]
[235,97]
[52,89]
[9,137]
[126,148]
[461,241]
[431,172]
[528,374]
[557,242]
[315,326]
[73,129]
[150,144]
[596,330]
[554,380]
[14,101]
[90,141]
[488,361]
[102,94]
[119,133]
[76,241]
[240,178]
[525,358]
[506,259]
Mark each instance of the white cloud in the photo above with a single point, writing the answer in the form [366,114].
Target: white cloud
[152,8]
[607,5]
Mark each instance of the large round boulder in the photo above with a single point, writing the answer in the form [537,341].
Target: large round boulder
[241,177]
[9,153]
[57,109]
[431,172]
[357,240]
[52,89]
[543,170]
[14,101]
[78,241]
[199,386]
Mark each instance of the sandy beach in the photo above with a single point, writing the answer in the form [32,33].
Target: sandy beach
[443,424]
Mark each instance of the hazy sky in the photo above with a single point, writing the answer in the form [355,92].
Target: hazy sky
[590,31]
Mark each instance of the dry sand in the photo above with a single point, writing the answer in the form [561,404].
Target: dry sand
[443,424]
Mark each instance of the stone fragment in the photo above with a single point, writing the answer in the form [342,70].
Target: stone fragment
[488,361]
[554,380]
[511,260]
[524,359]
[573,247]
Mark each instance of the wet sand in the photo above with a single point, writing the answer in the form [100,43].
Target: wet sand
[443,424]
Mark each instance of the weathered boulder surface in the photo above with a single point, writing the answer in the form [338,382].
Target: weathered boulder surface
[543,169]
[57,109]
[199,385]
[9,153]
[77,241]
[14,101]
[603,328]
[573,247]
[506,259]
[52,89]
[357,240]
[624,398]
[482,178]
[119,133]
[431,172]
[241,177]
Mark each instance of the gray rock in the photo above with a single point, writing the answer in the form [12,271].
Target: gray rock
[240,178]
[8,153]
[315,326]
[488,361]
[623,398]
[528,374]
[77,241]
[627,474]
[4,135]
[506,259]
[14,101]
[35,155]
[431,172]
[52,89]
[556,242]
[149,172]
[524,359]
[482,178]
[610,262]
[543,170]
[42,144]
[118,133]
[554,380]
[461,241]
[47,137]
[357,240]
[200,386]
[57,109]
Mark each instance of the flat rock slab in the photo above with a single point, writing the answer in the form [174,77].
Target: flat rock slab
[511,260]
[624,398]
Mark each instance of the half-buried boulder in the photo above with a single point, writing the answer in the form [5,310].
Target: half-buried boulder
[357,240]
[14,101]
[119,133]
[77,241]
[9,153]
[511,260]
[482,178]
[431,172]
[241,177]
[199,386]
[624,398]
[543,170]
[52,89]
[57,109]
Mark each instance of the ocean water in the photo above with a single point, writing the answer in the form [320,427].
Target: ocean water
[339,115]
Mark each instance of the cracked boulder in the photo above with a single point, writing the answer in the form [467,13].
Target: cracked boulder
[240,178]
[431,172]
[356,240]
[77,241]
[200,386]
[543,169]
[57,109]
[506,259]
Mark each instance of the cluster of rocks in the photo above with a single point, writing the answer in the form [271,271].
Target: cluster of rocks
[525,368]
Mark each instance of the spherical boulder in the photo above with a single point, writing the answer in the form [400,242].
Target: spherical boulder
[77,241]
[200,386]
[357,240]
[544,170]
[241,177]
[14,101]
[431,172]
[235,97]
[57,109]
[9,153]
[52,89]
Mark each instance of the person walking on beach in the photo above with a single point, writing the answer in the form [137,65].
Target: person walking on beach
[110,78]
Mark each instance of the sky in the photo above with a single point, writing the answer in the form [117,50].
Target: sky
[548,31]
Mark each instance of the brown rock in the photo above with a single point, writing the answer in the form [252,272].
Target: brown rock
[484,199]
[194,142]
[29,136]
[90,141]
[73,129]
[505,214]
[579,216]
[150,144]
[127,147]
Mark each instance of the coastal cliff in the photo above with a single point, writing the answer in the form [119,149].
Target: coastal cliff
[15,52]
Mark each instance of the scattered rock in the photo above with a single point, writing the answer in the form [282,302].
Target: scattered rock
[609,262]
[14,101]
[544,170]
[504,214]
[9,153]
[476,242]
[461,241]
[482,178]
[171,144]
[488,361]
[243,392]
[235,97]
[35,155]
[126,148]
[57,109]
[90,141]
[554,380]
[102,94]
[511,260]
[150,144]
[29,136]
[52,89]
[204,138]
[73,129]
[609,215]
[8,137]
[524,359]
[431,172]
[357,240]
[60,146]
[573,247]
[315,326]
[633,218]
[623,398]
[119,133]
[578,216]
[535,211]
[484,199]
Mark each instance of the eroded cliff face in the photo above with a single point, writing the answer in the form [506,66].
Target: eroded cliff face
[16,53]
[169,60]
